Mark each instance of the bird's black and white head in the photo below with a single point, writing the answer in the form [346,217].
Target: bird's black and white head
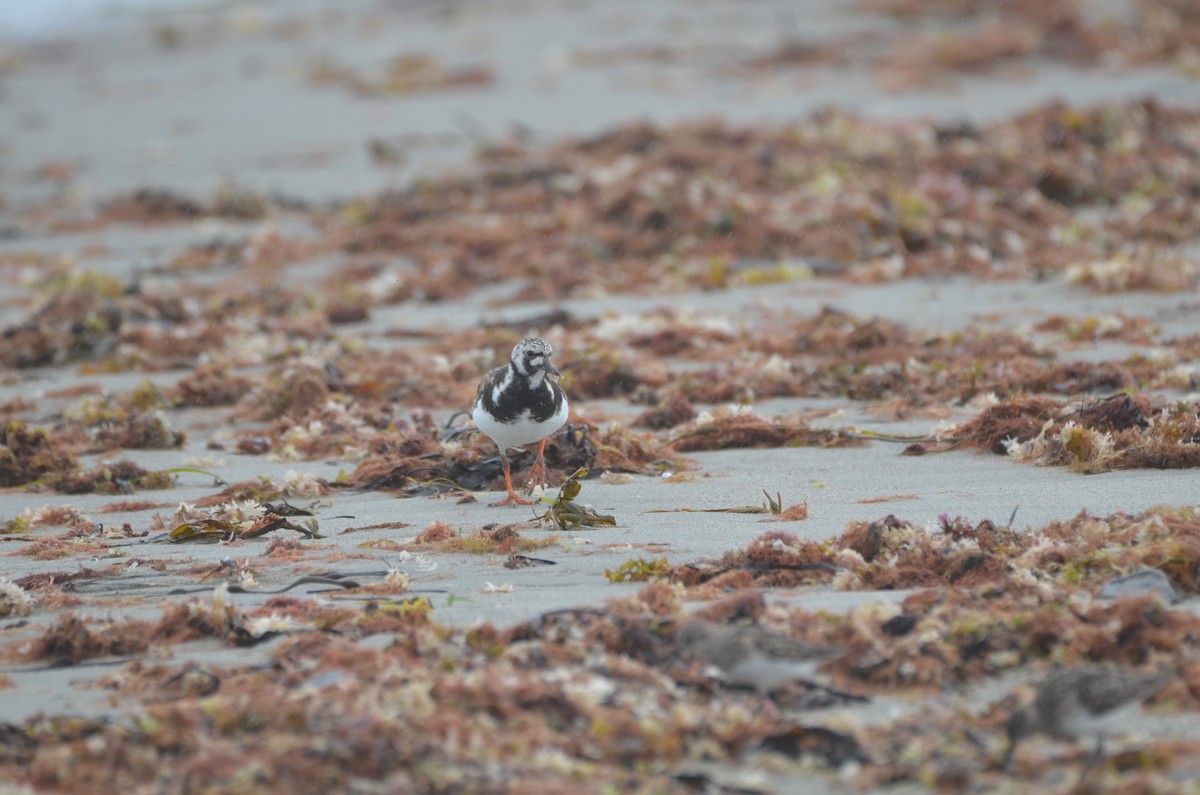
[531,358]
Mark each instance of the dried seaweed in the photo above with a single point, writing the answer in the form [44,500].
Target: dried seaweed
[894,554]
[138,432]
[404,74]
[668,414]
[637,570]
[737,429]
[227,714]
[30,454]
[457,461]
[524,562]
[339,581]
[214,530]
[1096,197]
[772,506]
[499,539]
[954,203]
[70,641]
[15,600]
[116,477]
[209,385]
[834,748]
[261,491]
[1116,433]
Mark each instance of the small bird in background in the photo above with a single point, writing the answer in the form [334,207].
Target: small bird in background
[1082,703]
[749,656]
[518,404]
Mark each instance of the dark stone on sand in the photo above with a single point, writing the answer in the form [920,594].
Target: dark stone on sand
[1146,581]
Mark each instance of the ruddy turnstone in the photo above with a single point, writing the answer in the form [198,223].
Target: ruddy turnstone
[518,405]
[752,657]
[1081,703]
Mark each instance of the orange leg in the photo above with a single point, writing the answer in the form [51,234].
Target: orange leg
[512,498]
[537,475]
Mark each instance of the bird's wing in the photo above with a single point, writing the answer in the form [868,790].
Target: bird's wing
[783,647]
[488,382]
[1102,691]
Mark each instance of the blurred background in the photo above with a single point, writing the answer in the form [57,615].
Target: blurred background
[322,99]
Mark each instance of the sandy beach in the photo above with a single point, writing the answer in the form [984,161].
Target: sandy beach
[877,323]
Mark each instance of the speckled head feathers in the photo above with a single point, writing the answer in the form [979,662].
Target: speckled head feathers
[532,354]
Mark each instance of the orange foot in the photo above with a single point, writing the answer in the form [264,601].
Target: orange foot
[512,498]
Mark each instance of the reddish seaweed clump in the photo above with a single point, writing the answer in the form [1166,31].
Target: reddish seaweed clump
[673,411]
[892,553]
[737,429]
[1121,432]
[29,454]
[71,640]
[1016,419]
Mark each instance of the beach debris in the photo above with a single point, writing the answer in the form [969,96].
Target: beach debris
[637,570]
[408,73]
[916,199]
[205,530]
[834,748]
[701,777]
[738,428]
[284,508]
[71,639]
[702,572]
[114,477]
[524,562]
[28,454]
[491,539]
[568,514]
[156,205]
[669,413]
[1120,432]
[15,526]
[209,530]
[433,461]
[192,681]
[217,480]
[772,506]
[335,581]
[892,553]
[14,600]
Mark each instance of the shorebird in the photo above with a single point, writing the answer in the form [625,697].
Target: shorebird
[1082,703]
[517,404]
[749,656]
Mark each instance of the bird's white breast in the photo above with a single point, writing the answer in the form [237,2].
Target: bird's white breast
[1081,723]
[522,430]
[768,673]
